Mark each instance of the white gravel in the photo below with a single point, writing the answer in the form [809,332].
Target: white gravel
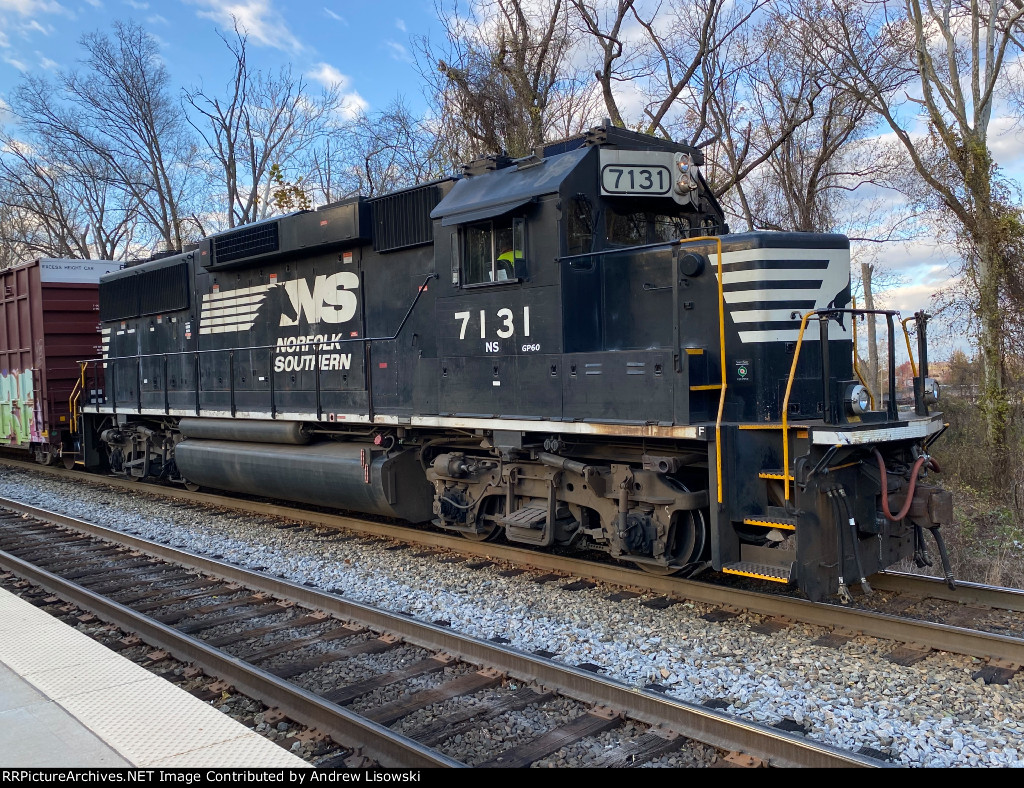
[930,714]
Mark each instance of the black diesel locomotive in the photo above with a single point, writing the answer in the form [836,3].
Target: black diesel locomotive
[567,349]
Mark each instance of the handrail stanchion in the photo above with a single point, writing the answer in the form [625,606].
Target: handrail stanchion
[319,409]
[270,374]
[893,409]
[231,380]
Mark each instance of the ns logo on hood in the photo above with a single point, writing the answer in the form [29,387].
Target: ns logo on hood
[331,300]
[328,298]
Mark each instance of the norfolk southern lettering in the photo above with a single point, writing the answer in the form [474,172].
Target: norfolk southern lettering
[314,350]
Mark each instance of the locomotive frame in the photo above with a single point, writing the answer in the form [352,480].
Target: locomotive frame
[566,349]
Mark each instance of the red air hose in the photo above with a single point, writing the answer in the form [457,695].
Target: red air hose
[885,487]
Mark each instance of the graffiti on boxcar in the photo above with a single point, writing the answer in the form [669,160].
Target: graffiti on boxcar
[20,421]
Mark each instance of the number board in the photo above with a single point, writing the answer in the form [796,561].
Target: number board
[640,173]
[636,179]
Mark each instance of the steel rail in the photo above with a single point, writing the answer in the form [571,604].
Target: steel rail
[935,587]
[771,745]
[960,640]
[348,729]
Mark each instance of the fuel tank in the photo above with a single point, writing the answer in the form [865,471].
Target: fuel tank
[358,477]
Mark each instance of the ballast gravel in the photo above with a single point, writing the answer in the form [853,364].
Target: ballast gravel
[929,714]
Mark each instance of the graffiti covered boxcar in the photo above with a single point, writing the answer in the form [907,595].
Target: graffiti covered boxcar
[49,318]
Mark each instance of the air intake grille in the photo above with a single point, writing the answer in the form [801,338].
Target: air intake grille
[403,219]
[247,242]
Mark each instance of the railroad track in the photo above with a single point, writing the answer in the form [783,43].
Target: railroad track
[917,614]
[310,656]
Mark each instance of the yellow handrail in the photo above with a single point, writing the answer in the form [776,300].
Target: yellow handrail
[913,366]
[76,393]
[721,343]
[856,369]
[786,478]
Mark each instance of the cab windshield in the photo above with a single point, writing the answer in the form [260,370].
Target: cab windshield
[635,228]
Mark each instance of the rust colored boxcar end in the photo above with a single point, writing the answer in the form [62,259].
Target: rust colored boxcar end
[49,320]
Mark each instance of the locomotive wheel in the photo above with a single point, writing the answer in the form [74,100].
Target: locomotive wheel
[687,538]
[192,487]
[492,507]
[69,461]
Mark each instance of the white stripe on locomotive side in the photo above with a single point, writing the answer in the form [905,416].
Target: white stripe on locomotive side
[830,282]
[255,290]
[231,310]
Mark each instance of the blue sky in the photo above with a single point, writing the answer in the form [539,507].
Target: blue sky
[365,46]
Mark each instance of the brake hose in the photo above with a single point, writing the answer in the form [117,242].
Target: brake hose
[910,490]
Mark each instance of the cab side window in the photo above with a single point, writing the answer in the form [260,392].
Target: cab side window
[493,251]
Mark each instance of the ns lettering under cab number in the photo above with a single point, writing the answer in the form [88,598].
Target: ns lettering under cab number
[503,324]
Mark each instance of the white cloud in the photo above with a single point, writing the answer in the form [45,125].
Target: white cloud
[257,18]
[352,104]
[328,76]
[400,24]
[4,42]
[30,7]
[156,19]
[398,52]
[16,63]
[138,6]
[1007,143]
[46,63]
[334,16]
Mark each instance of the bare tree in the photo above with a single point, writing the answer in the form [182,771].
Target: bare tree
[262,120]
[377,153]
[62,208]
[950,57]
[119,112]
[618,61]
[504,76]
[16,228]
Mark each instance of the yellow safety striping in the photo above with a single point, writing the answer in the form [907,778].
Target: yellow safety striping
[755,574]
[694,351]
[769,524]
[709,387]
[798,433]
[778,476]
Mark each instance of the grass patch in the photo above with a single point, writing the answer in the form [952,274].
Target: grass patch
[986,542]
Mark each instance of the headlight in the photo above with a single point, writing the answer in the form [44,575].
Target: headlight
[931,391]
[857,399]
[687,182]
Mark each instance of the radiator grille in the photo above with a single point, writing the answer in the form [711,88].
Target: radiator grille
[248,242]
[150,293]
